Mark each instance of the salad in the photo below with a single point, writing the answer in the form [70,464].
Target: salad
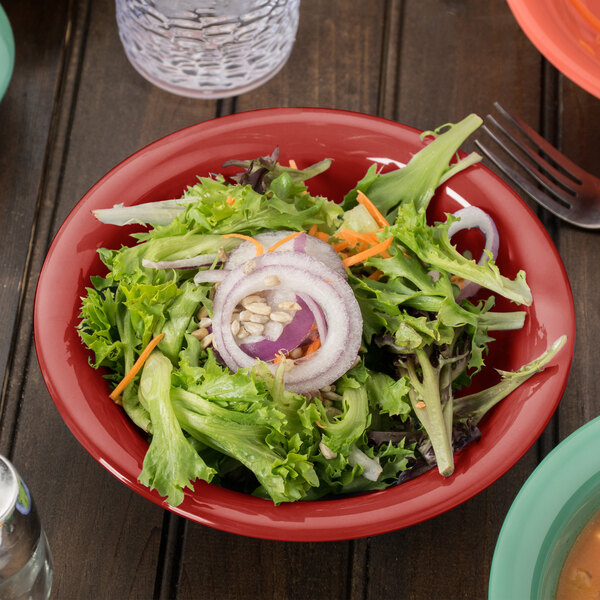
[281,344]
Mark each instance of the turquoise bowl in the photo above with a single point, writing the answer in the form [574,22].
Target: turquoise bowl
[546,517]
[7,52]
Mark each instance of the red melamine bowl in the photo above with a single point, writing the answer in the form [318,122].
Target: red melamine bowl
[163,170]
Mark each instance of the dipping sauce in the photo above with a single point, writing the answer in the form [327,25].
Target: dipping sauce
[580,575]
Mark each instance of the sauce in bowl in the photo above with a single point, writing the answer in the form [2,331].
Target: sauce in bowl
[580,576]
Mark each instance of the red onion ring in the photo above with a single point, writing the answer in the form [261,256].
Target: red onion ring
[471,217]
[313,246]
[306,276]
[293,334]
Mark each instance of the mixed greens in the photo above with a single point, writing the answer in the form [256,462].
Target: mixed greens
[356,312]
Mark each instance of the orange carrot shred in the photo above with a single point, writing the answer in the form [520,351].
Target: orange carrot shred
[313,347]
[114,395]
[459,281]
[322,236]
[420,404]
[259,247]
[376,275]
[354,237]
[230,200]
[282,241]
[312,230]
[372,251]
[341,246]
[293,164]
[373,210]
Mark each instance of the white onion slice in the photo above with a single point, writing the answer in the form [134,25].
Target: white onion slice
[371,467]
[306,276]
[473,217]
[210,275]
[194,262]
[306,244]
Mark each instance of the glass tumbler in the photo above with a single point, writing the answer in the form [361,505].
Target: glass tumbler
[207,48]
[25,559]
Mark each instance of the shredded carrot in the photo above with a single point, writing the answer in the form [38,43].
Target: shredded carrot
[259,247]
[372,251]
[312,230]
[459,281]
[313,347]
[293,164]
[279,357]
[287,238]
[341,246]
[376,275]
[114,395]
[373,210]
[230,200]
[421,404]
[586,13]
[356,238]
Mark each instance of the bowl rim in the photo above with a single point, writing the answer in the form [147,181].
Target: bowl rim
[537,516]
[371,515]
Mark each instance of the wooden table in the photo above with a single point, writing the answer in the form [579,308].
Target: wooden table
[75,108]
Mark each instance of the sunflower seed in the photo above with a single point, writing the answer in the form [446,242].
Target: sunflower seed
[249,267]
[271,281]
[207,341]
[254,328]
[247,315]
[235,326]
[251,300]
[296,353]
[222,254]
[281,317]
[289,305]
[332,396]
[242,333]
[200,333]
[204,322]
[259,308]
[202,313]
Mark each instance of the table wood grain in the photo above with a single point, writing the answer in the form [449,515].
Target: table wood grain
[75,108]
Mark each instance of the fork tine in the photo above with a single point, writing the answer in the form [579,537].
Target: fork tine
[560,191]
[554,175]
[536,194]
[544,146]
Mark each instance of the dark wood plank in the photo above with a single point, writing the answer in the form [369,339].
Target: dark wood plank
[579,121]
[336,61]
[106,540]
[25,130]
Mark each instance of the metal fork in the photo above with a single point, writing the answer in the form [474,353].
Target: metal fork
[554,181]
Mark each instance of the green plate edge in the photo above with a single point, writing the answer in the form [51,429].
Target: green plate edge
[553,505]
[7,52]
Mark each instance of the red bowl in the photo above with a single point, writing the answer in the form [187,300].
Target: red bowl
[163,170]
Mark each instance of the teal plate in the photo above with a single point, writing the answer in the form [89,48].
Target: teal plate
[7,52]
[553,506]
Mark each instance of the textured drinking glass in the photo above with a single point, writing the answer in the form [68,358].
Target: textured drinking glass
[208,49]
[25,559]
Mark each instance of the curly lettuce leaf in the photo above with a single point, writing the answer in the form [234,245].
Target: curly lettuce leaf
[171,463]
